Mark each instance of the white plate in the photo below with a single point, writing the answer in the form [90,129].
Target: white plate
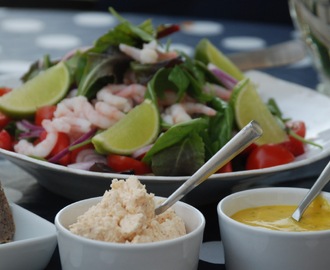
[295,101]
[33,245]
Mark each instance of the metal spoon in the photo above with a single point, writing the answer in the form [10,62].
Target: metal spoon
[313,192]
[238,143]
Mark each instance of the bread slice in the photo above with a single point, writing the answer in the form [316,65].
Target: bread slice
[7,225]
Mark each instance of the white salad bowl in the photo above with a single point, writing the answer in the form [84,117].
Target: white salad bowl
[33,244]
[77,252]
[251,248]
[78,184]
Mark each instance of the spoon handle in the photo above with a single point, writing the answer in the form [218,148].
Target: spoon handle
[238,143]
[313,192]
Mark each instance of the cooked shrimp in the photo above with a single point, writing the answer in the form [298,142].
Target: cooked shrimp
[170,97]
[167,118]
[71,107]
[133,52]
[147,55]
[77,115]
[119,102]
[72,125]
[134,91]
[61,125]
[162,56]
[96,118]
[41,149]
[218,91]
[192,108]
[151,45]
[62,110]
[108,110]
[176,114]
[114,88]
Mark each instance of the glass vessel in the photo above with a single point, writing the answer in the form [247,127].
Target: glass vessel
[312,18]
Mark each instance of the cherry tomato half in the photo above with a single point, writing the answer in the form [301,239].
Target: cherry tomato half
[298,127]
[45,112]
[248,149]
[6,141]
[295,146]
[226,168]
[268,155]
[123,163]
[4,120]
[4,90]
[63,141]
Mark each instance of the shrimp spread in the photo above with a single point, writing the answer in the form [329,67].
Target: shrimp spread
[278,217]
[126,214]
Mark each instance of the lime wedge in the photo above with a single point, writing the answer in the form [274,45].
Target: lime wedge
[249,106]
[206,52]
[47,88]
[137,129]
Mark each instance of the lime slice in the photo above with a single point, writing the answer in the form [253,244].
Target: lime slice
[137,129]
[207,53]
[47,88]
[249,106]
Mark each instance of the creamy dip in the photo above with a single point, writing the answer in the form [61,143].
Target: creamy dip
[126,214]
[278,217]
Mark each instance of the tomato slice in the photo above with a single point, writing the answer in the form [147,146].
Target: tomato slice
[268,155]
[226,168]
[4,120]
[45,112]
[123,163]
[248,149]
[298,127]
[295,146]
[4,90]
[63,141]
[6,141]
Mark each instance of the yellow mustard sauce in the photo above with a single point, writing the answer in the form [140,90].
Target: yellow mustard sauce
[278,217]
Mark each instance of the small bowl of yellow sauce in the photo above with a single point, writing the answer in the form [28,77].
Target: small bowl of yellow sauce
[258,232]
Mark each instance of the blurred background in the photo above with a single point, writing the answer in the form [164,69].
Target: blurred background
[271,11]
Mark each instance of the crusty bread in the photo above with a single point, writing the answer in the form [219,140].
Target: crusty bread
[7,225]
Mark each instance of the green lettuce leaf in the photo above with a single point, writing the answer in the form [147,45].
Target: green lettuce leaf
[176,134]
[183,158]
